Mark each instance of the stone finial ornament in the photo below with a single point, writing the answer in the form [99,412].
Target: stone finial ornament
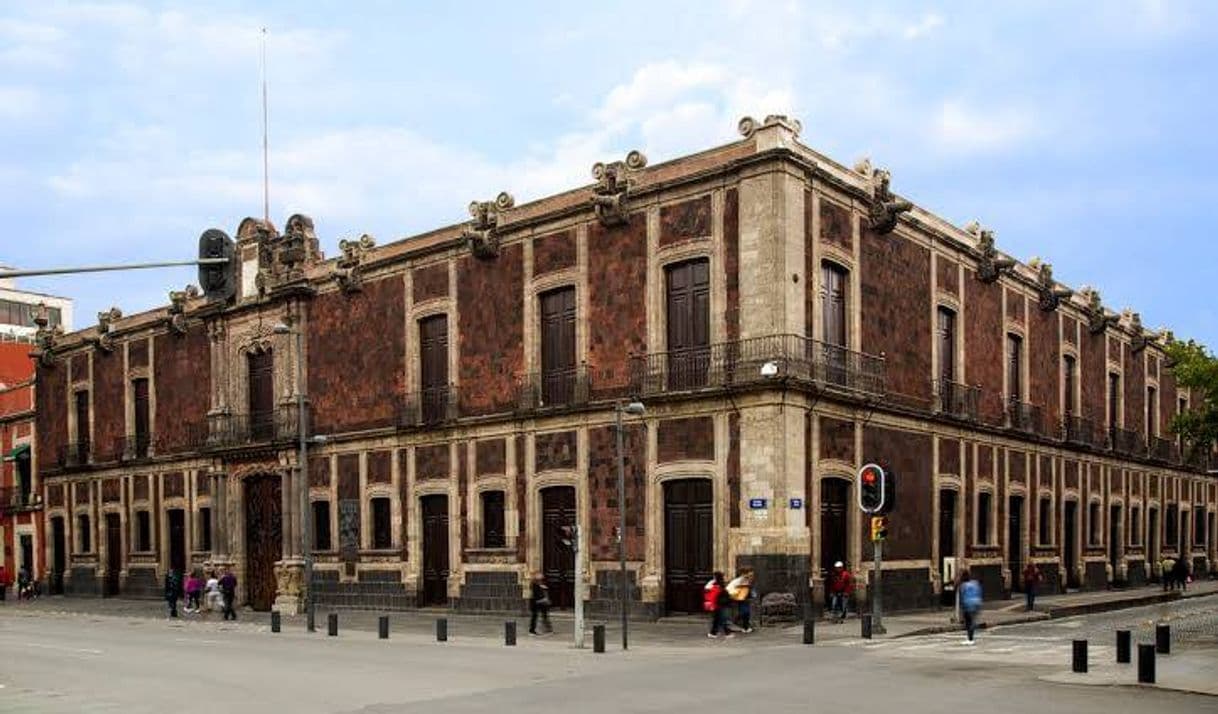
[748,126]
[177,308]
[1050,294]
[1098,319]
[992,264]
[1141,337]
[45,337]
[884,208]
[347,272]
[105,321]
[612,189]
[482,233]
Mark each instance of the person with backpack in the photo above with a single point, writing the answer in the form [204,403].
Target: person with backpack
[717,602]
[970,605]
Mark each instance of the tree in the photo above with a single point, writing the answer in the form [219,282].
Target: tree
[1197,369]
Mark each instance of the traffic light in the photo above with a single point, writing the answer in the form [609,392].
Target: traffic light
[879,528]
[218,280]
[871,488]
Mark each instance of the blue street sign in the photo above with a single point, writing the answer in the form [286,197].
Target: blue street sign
[756,503]
[797,503]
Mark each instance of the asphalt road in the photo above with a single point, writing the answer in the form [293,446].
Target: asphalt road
[59,663]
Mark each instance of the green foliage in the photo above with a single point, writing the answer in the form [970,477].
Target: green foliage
[1197,369]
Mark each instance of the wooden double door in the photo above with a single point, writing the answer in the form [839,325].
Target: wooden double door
[689,538]
[435,551]
[263,537]
[558,559]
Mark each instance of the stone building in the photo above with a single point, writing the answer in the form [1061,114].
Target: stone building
[784,319]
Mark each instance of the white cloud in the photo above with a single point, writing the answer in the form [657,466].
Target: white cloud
[960,128]
[20,103]
[923,27]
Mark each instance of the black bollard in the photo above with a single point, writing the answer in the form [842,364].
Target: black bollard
[809,631]
[598,638]
[866,622]
[332,624]
[1080,657]
[1123,641]
[442,629]
[509,633]
[1146,664]
[382,627]
[1163,639]
[275,621]
[310,620]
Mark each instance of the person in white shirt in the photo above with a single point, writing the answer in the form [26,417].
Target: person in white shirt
[740,589]
[215,600]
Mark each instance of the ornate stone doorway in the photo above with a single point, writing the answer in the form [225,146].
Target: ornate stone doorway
[263,537]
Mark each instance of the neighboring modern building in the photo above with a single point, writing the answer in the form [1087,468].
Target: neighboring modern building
[20,496]
[785,320]
[19,308]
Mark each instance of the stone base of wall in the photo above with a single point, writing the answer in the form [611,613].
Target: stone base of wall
[778,573]
[605,601]
[908,589]
[1135,573]
[82,583]
[142,583]
[494,591]
[1095,576]
[990,577]
[374,590]
[1050,582]
[1200,567]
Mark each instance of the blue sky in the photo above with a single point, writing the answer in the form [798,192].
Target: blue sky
[1082,132]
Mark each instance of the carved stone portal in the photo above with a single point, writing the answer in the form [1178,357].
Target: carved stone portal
[347,273]
[482,233]
[992,264]
[612,189]
[884,208]
[1050,294]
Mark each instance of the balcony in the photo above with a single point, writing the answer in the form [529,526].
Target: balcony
[1024,417]
[133,447]
[1164,450]
[18,500]
[1079,431]
[957,400]
[759,360]
[74,455]
[237,430]
[1126,441]
[552,390]
[427,408]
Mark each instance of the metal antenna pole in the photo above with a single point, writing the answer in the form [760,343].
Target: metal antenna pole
[266,172]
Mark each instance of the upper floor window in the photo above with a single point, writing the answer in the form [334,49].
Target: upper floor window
[834,291]
[1114,400]
[82,423]
[433,367]
[142,427]
[1069,376]
[947,344]
[1152,411]
[558,346]
[688,316]
[261,395]
[1014,368]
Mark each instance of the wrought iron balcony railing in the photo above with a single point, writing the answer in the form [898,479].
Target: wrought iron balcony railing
[554,389]
[429,407]
[74,455]
[15,499]
[1125,441]
[758,360]
[1164,450]
[232,430]
[957,400]
[1024,417]
[1079,431]
[133,447]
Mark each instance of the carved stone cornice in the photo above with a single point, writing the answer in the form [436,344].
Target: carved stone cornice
[1050,294]
[612,189]
[991,264]
[1140,337]
[348,270]
[482,233]
[749,126]
[177,308]
[883,207]
[1098,319]
[104,341]
[45,338]
[282,260]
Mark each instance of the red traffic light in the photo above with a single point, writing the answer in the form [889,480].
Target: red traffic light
[869,476]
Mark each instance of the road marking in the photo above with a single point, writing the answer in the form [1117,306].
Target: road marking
[63,649]
[197,642]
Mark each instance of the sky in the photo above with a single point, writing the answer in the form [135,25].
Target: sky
[1080,132]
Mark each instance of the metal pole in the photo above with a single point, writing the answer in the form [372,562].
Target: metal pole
[877,614]
[621,533]
[306,513]
[105,268]
[579,587]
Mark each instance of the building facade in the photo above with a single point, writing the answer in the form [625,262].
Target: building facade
[783,318]
[21,533]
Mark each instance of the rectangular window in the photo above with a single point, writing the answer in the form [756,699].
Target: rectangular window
[1152,411]
[433,368]
[1135,525]
[261,380]
[1069,373]
[84,534]
[1044,522]
[1171,526]
[1093,523]
[1014,368]
[1114,400]
[82,425]
[834,290]
[321,525]
[947,345]
[25,477]
[139,394]
[984,506]
[205,529]
[558,346]
[687,301]
[493,532]
[382,528]
[1198,525]
[143,531]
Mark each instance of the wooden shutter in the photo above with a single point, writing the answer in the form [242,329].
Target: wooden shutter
[139,390]
[833,305]
[947,345]
[1014,373]
[688,313]
[261,394]
[1069,385]
[433,368]
[82,424]
[558,346]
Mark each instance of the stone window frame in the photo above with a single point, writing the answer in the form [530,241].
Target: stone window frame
[477,518]
[1152,409]
[659,258]
[200,505]
[315,498]
[1109,373]
[85,528]
[832,256]
[1075,401]
[987,489]
[944,482]
[557,280]
[1096,522]
[948,302]
[1134,518]
[377,493]
[1013,329]
[418,313]
[1041,527]
[720,515]
[676,255]
[136,538]
[368,492]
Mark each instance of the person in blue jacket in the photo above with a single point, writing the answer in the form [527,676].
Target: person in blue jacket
[970,605]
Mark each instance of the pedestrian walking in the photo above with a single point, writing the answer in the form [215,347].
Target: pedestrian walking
[1167,570]
[215,601]
[228,593]
[194,592]
[173,586]
[717,602]
[970,605]
[539,605]
[841,586]
[741,592]
[1031,584]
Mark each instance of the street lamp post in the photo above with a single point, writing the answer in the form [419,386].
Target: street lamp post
[634,409]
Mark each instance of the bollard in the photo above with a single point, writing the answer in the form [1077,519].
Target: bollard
[382,627]
[442,629]
[809,631]
[1146,664]
[1163,639]
[866,622]
[509,633]
[275,621]
[1123,640]
[310,620]
[598,638]
[332,624]
[1080,657]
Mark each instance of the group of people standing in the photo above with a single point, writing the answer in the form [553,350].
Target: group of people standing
[1175,573]
[203,592]
[721,597]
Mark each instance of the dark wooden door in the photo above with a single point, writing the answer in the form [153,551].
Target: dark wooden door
[26,543]
[558,346]
[59,557]
[139,394]
[263,538]
[262,395]
[689,539]
[1015,535]
[435,550]
[688,313]
[834,529]
[558,561]
[177,541]
[834,287]
[1071,543]
[433,368]
[114,553]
